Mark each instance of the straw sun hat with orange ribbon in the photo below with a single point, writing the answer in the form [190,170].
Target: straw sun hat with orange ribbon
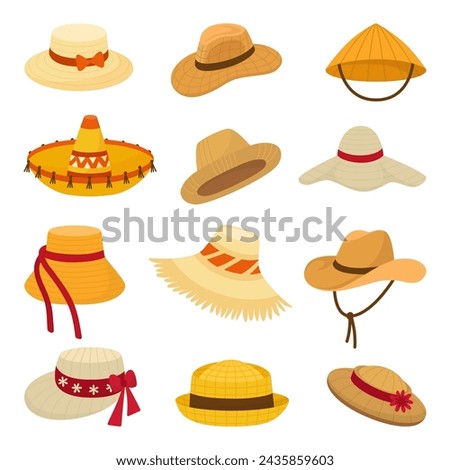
[376,55]
[90,165]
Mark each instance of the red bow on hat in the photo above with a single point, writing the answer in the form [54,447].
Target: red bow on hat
[98,60]
[123,383]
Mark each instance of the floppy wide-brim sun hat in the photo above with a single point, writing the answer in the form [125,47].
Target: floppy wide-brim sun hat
[378,393]
[84,382]
[231,393]
[225,52]
[225,277]
[226,162]
[363,258]
[78,59]
[90,165]
[360,164]
[376,55]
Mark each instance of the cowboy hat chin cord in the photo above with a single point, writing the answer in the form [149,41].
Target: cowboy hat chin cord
[408,78]
[351,316]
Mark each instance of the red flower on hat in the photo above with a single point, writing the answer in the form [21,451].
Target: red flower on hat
[401,400]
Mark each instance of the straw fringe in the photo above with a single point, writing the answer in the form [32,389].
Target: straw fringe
[219,304]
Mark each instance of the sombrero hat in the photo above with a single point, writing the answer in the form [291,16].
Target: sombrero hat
[364,258]
[231,393]
[78,59]
[225,277]
[360,164]
[378,393]
[225,52]
[376,55]
[72,269]
[90,165]
[85,381]
[225,163]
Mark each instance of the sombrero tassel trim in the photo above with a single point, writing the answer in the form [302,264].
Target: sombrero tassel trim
[108,182]
[27,167]
[125,178]
[140,173]
[89,183]
[38,172]
[53,178]
[70,182]
[152,167]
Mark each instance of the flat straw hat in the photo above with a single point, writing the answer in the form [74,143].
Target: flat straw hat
[225,52]
[364,257]
[225,163]
[85,381]
[360,164]
[225,277]
[378,393]
[78,59]
[231,393]
[376,55]
[72,269]
[90,165]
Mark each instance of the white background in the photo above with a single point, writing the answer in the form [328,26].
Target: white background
[161,335]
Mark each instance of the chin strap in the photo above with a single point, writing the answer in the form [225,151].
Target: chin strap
[408,78]
[351,316]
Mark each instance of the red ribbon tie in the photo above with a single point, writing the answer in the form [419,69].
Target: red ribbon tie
[123,383]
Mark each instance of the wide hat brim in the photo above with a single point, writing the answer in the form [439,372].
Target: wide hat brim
[238,164]
[50,164]
[89,282]
[345,391]
[224,293]
[44,70]
[232,417]
[363,176]
[321,274]
[188,80]
[45,399]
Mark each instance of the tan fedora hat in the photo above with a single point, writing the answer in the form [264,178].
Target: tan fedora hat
[85,381]
[72,269]
[90,165]
[364,258]
[360,164]
[231,393]
[225,277]
[78,59]
[226,162]
[376,55]
[225,52]
[378,393]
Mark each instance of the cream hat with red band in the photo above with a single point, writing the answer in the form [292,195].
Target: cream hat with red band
[78,59]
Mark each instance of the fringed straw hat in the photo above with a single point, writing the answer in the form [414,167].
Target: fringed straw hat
[225,277]
[231,393]
[376,55]
[226,162]
[378,393]
[225,52]
[72,269]
[360,164]
[85,381]
[90,165]
[78,59]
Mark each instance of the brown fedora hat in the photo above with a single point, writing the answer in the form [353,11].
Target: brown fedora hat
[226,162]
[225,52]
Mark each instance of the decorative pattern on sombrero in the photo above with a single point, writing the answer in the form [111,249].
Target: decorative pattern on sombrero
[90,165]
[72,269]
[85,381]
[225,277]
[364,258]
[378,393]
[231,393]
[360,164]
[376,55]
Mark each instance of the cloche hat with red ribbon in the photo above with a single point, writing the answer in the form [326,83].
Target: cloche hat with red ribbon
[85,381]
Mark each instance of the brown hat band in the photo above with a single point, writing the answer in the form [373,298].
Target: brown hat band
[229,404]
[351,270]
[225,63]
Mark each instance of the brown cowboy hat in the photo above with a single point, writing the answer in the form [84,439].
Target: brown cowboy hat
[364,257]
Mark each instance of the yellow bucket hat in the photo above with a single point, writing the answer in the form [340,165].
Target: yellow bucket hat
[231,393]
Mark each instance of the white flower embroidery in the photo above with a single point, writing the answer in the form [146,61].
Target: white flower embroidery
[109,388]
[93,389]
[62,381]
[76,388]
